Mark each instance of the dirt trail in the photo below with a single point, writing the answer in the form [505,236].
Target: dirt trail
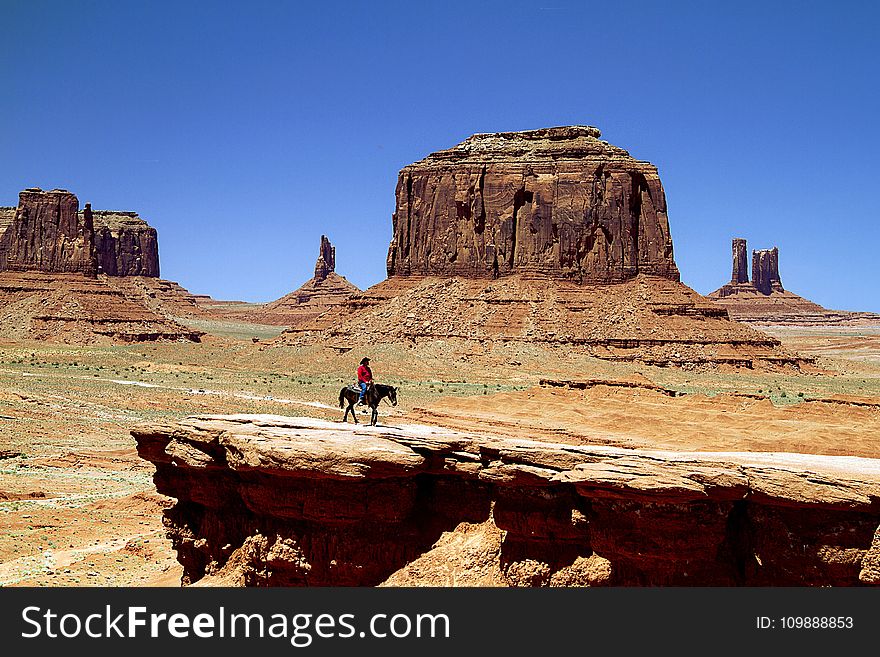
[190,391]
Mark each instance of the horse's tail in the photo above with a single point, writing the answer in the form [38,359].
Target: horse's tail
[342,398]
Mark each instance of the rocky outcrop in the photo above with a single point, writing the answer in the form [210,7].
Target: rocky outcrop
[326,263]
[48,233]
[298,501]
[763,300]
[556,201]
[126,245]
[71,276]
[765,271]
[545,239]
[77,309]
[740,264]
[647,319]
[327,290]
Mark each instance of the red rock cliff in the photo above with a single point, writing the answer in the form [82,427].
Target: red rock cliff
[299,501]
[48,233]
[126,244]
[554,201]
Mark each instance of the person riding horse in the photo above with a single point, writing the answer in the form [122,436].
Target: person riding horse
[366,392]
[365,379]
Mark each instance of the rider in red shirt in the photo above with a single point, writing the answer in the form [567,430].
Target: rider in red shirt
[365,378]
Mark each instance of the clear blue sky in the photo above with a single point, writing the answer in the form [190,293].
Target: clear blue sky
[242,131]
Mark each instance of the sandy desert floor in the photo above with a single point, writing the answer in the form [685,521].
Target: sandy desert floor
[78,506]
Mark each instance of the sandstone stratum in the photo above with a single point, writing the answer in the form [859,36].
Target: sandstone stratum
[546,238]
[84,276]
[267,500]
[762,299]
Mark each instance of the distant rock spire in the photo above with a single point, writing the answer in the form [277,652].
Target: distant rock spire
[326,259]
[740,264]
[765,271]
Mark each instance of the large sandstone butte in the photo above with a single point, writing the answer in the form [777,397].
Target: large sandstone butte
[84,276]
[295,501]
[541,239]
[47,232]
[763,300]
[554,201]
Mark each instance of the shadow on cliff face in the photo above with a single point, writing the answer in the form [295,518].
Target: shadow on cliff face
[321,533]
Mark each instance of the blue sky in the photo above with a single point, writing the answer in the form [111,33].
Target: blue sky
[243,131]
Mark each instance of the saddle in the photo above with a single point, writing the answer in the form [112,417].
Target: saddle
[357,389]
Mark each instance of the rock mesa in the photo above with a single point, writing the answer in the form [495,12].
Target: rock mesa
[84,276]
[555,201]
[547,238]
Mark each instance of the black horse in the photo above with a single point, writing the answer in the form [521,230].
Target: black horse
[375,393]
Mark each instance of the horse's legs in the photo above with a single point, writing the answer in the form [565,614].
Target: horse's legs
[374,417]
[353,412]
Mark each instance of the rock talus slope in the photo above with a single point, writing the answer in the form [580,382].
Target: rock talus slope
[298,501]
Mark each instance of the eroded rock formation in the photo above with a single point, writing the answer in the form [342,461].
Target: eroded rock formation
[765,271]
[555,201]
[48,233]
[326,263]
[84,276]
[126,245]
[763,300]
[298,501]
[647,319]
[740,264]
[547,238]
[327,290]
[77,309]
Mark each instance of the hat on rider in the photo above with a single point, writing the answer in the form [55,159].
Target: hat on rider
[364,361]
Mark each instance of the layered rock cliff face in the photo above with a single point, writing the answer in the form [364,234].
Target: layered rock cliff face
[297,501]
[763,300]
[48,233]
[83,277]
[77,309]
[555,201]
[647,319]
[126,245]
[765,271]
